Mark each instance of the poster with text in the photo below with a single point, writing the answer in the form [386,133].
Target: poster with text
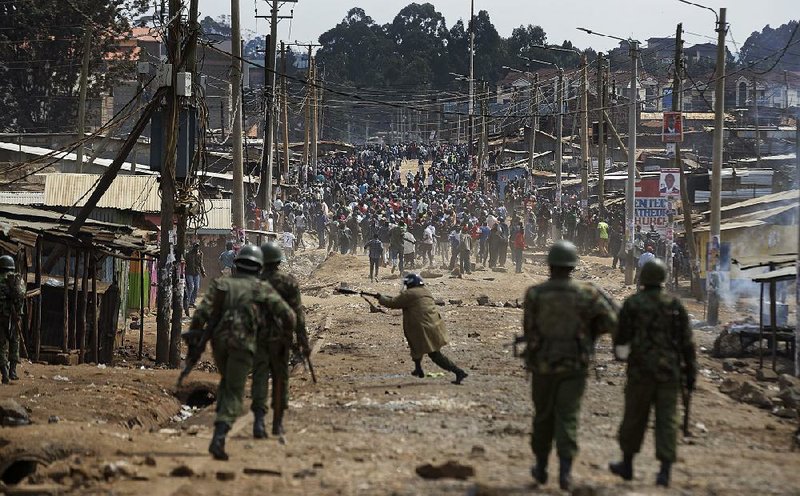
[650,207]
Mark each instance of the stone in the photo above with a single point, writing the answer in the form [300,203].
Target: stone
[727,345]
[731,386]
[790,397]
[449,470]
[483,300]
[786,381]
[474,335]
[478,451]
[787,413]
[13,414]
[456,302]
[429,274]
[226,476]
[118,469]
[728,365]
[182,471]
[439,302]
[53,419]
[753,395]
[193,430]
[766,375]
[508,304]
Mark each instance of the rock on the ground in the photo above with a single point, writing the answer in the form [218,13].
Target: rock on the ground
[787,413]
[429,274]
[13,414]
[182,471]
[787,381]
[731,386]
[226,476]
[483,300]
[449,470]
[790,397]
[754,395]
[766,375]
[439,302]
[726,345]
[456,302]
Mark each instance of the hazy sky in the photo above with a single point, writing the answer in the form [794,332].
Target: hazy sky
[640,19]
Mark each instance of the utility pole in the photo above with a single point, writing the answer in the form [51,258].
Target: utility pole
[630,197]
[87,48]
[285,97]
[602,89]
[315,116]
[797,278]
[758,128]
[676,107]
[559,134]
[584,134]
[309,89]
[471,78]
[265,191]
[713,279]
[534,111]
[237,202]
[164,296]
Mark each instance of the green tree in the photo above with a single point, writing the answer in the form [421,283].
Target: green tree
[769,44]
[41,47]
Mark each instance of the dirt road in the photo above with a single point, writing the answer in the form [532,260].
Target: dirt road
[368,424]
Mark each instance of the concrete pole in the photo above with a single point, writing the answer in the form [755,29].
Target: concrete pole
[584,134]
[716,173]
[237,201]
[285,109]
[87,47]
[534,111]
[268,156]
[601,138]
[676,106]
[314,117]
[630,197]
[471,78]
[559,134]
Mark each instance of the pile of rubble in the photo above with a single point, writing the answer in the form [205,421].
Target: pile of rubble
[763,388]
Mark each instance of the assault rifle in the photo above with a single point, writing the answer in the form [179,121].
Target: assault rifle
[305,352]
[196,340]
[347,291]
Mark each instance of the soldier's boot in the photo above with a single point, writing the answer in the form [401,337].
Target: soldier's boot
[12,372]
[277,426]
[460,376]
[662,478]
[4,372]
[418,372]
[217,446]
[565,473]
[624,468]
[259,429]
[539,471]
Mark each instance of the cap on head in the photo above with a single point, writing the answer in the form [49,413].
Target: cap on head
[7,264]
[412,281]
[562,254]
[654,273]
[272,253]
[249,260]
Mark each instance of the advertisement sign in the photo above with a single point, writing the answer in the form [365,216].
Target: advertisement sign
[669,183]
[672,128]
[651,206]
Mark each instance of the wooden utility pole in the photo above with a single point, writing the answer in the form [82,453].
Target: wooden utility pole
[559,134]
[315,117]
[534,111]
[602,88]
[584,134]
[237,200]
[164,295]
[757,125]
[309,98]
[630,195]
[715,238]
[84,86]
[285,97]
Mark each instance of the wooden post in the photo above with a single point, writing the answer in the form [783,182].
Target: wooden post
[37,334]
[73,326]
[65,333]
[95,330]
[773,319]
[141,305]
[85,306]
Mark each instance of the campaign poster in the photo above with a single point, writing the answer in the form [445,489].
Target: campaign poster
[669,183]
[672,129]
[651,207]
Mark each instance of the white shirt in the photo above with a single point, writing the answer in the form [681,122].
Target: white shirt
[288,240]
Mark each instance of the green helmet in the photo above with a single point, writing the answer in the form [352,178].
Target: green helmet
[653,273]
[249,259]
[7,263]
[562,254]
[272,253]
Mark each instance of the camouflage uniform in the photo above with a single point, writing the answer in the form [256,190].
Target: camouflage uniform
[12,296]
[656,327]
[240,307]
[272,350]
[562,320]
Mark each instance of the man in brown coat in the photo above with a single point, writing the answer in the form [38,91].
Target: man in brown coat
[422,325]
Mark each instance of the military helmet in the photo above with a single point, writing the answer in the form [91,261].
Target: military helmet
[413,280]
[7,263]
[653,273]
[249,259]
[272,253]
[562,254]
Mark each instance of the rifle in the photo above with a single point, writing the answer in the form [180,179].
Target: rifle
[305,352]
[196,340]
[347,291]
[686,396]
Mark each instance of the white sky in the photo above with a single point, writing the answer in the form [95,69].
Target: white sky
[639,19]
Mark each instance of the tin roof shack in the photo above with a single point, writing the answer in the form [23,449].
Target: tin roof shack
[752,229]
[74,314]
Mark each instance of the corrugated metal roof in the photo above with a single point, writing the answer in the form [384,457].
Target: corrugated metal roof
[137,193]
[218,216]
[21,197]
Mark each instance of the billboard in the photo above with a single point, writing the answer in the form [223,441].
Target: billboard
[650,207]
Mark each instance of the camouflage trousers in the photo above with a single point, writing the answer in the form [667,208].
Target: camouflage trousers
[272,359]
[9,343]
[557,405]
[234,366]
[640,396]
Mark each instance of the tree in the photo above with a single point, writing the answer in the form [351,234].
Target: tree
[41,47]
[420,36]
[769,44]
